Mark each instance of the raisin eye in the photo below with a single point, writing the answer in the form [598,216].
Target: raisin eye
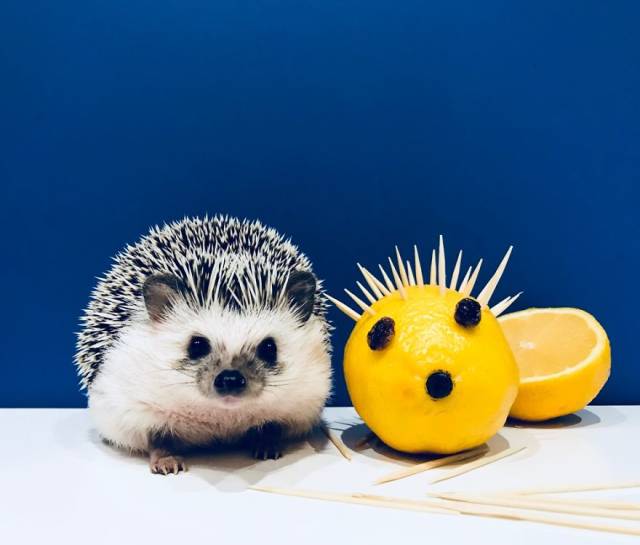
[381,334]
[199,347]
[468,312]
[439,384]
[268,351]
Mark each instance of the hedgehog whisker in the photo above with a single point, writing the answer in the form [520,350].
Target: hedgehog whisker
[177,384]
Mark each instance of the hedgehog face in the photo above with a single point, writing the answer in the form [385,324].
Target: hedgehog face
[229,358]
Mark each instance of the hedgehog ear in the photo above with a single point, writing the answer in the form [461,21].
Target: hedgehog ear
[159,292]
[301,290]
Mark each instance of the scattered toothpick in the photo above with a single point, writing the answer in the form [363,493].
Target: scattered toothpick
[478,463]
[604,504]
[431,464]
[361,499]
[480,510]
[446,507]
[575,488]
[539,505]
[337,442]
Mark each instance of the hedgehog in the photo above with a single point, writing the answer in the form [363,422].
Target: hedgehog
[206,331]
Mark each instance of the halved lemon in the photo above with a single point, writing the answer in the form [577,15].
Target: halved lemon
[564,358]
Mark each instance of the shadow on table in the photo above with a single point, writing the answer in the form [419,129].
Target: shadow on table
[355,437]
[581,419]
[229,468]
[233,469]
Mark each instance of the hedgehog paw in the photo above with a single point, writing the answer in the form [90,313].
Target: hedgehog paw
[266,452]
[266,441]
[166,465]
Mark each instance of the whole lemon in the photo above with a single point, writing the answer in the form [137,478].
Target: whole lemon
[430,371]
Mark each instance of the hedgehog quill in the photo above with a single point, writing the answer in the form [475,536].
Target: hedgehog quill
[205,331]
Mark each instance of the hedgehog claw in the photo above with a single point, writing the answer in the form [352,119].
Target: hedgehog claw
[267,452]
[167,465]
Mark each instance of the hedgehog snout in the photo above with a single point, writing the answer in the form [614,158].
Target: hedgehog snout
[230,382]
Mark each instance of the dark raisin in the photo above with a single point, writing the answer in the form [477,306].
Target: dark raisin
[381,334]
[468,312]
[439,384]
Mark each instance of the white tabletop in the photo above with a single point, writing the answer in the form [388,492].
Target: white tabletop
[60,484]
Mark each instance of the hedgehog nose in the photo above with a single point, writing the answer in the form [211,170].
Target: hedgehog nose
[230,382]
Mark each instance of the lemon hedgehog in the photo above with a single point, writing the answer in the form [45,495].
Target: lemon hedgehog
[427,365]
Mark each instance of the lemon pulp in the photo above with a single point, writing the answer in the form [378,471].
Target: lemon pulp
[564,358]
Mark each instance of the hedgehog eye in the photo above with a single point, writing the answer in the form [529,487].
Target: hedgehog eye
[268,351]
[381,334]
[198,347]
[468,312]
[439,384]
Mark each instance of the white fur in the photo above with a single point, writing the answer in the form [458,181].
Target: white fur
[139,390]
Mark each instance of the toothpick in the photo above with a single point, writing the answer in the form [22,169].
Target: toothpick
[431,464]
[487,292]
[412,280]
[396,277]
[366,293]
[360,499]
[442,267]
[576,488]
[403,272]
[387,280]
[432,273]
[504,304]
[499,304]
[360,303]
[478,463]
[418,266]
[463,284]
[602,504]
[337,442]
[376,286]
[405,503]
[456,271]
[445,508]
[538,505]
[472,280]
[344,308]
[480,510]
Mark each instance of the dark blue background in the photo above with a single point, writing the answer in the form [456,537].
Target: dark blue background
[350,126]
